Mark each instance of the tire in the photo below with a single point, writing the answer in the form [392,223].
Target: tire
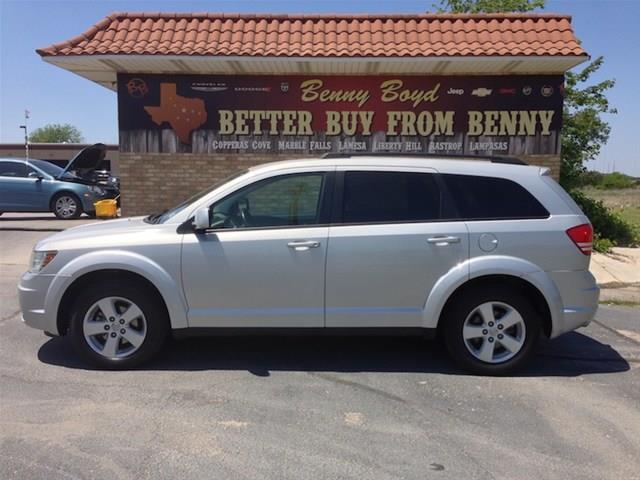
[480,334]
[66,206]
[132,337]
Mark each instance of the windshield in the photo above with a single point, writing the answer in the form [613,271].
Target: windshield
[167,214]
[47,167]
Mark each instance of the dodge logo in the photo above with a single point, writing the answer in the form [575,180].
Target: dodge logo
[137,88]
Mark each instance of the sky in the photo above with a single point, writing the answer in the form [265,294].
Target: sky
[53,95]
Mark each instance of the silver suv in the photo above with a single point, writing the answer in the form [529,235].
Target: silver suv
[487,255]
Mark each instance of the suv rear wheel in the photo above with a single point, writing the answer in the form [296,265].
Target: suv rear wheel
[118,326]
[491,330]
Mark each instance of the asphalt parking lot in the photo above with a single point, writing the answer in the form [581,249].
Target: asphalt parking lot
[273,408]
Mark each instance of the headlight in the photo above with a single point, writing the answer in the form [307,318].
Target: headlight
[39,260]
[97,190]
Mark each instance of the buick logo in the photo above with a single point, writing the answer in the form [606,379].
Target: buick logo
[284,87]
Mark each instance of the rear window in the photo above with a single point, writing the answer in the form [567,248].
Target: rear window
[490,198]
[376,197]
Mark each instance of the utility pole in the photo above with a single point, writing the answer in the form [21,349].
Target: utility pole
[26,135]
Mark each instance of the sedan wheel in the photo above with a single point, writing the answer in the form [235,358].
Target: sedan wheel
[66,207]
[114,327]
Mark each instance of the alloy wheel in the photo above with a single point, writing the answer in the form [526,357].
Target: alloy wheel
[494,332]
[114,327]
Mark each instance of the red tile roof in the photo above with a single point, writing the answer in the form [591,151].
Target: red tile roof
[325,35]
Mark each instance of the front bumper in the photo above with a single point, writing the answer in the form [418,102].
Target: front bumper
[32,292]
[89,198]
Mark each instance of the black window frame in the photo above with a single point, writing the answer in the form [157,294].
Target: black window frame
[337,209]
[325,201]
[455,203]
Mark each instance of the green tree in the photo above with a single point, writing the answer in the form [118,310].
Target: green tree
[489,6]
[584,131]
[56,133]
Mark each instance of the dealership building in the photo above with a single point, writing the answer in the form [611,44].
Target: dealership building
[203,95]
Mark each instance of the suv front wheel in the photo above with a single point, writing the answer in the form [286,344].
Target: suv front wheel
[118,326]
[491,330]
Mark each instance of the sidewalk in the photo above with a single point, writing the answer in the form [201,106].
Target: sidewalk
[618,274]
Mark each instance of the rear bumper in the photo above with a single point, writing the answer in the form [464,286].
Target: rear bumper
[580,295]
[32,292]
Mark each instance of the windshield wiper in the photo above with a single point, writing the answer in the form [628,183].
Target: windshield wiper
[155,217]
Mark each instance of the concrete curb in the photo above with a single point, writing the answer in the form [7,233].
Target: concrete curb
[610,285]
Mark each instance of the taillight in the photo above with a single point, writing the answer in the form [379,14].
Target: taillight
[582,236]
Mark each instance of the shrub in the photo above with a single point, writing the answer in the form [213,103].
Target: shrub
[607,224]
[589,178]
[616,180]
[605,181]
[602,245]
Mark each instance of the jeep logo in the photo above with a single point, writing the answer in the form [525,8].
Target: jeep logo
[455,91]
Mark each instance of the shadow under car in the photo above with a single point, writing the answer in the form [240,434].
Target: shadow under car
[572,354]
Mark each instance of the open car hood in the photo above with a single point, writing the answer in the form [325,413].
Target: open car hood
[87,160]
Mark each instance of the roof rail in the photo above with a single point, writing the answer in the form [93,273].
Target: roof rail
[490,158]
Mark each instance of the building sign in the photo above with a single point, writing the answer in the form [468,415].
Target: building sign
[515,115]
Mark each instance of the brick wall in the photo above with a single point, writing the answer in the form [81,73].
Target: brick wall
[151,182]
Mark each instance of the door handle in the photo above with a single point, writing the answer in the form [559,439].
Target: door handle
[443,240]
[303,245]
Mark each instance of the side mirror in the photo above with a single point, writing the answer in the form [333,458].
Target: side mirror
[201,220]
[35,175]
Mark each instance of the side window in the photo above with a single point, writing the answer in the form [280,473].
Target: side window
[486,198]
[372,197]
[282,201]
[13,169]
